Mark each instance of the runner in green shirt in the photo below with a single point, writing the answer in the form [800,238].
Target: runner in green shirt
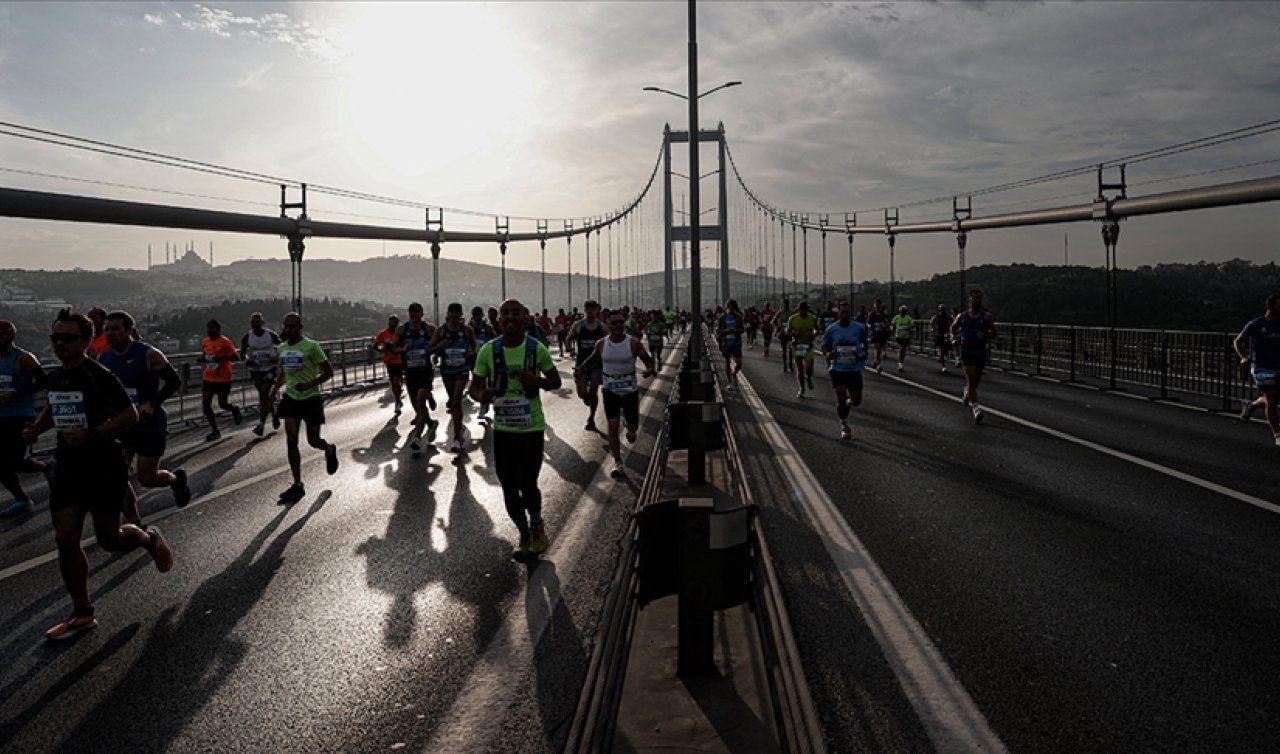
[902,325]
[656,331]
[512,379]
[303,368]
[803,327]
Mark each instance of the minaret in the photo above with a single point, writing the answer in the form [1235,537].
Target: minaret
[211,253]
[148,257]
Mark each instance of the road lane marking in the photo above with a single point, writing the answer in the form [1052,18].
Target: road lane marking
[1242,497]
[949,715]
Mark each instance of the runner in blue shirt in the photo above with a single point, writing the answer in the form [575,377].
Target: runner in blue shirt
[1263,335]
[977,328]
[844,343]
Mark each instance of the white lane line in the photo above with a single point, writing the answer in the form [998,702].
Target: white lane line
[1242,497]
[950,717]
[499,673]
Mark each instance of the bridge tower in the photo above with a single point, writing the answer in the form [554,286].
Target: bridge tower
[673,233]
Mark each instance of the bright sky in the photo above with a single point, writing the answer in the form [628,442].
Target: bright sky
[536,110]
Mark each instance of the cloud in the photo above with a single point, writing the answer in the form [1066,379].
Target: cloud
[153,19]
[277,28]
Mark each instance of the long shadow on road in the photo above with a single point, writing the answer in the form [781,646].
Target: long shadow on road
[185,662]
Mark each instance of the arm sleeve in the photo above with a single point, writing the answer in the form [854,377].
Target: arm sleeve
[169,384]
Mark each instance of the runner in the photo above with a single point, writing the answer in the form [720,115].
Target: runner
[781,320]
[219,353]
[583,335]
[412,342]
[21,377]
[258,350]
[562,330]
[669,316]
[902,326]
[87,406]
[766,327]
[304,367]
[802,328]
[655,333]
[729,328]
[941,324]
[99,344]
[482,333]
[751,321]
[150,380]
[511,372]
[544,324]
[976,327]
[455,344]
[827,318]
[385,342]
[1263,335]
[878,323]
[534,330]
[844,343]
[617,354]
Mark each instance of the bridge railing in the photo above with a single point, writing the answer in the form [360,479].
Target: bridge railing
[1167,361]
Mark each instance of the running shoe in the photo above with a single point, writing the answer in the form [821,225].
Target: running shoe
[331,459]
[956,363]
[275,420]
[521,550]
[399,406]
[181,492]
[17,508]
[809,380]
[484,411]
[845,432]
[214,435]
[71,625]
[538,541]
[899,366]
[879,369]
[1278,441]
[619,470]
[295,493]
[432,426]
[1246,411]
[631,435]
[978,414]
[415,443]
[236,418]
[258,429]
[800,393]
[455,446]
[431,401]
[159,550]
[591,425]
[944,368]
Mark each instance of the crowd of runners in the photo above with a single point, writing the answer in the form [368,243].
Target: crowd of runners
[105,400]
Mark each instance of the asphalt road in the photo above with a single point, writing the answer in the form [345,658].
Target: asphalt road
[1087,584]
[382,612]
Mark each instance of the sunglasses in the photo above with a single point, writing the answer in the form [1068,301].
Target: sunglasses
[617,323]
[63,337]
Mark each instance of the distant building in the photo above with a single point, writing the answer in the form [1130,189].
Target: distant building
[187,263]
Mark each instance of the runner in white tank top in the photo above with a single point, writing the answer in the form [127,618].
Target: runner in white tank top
[618,353]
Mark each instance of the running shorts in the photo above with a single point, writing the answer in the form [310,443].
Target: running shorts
[309,410]
[261,379]
[627,406]
[144,444]
[1266,378]
[418,379]
[220,389]
[94,481]
[973,359]
[595,375]
[395,371]
[904,342]
[12,448]
[851,381]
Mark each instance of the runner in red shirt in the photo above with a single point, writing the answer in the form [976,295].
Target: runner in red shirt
[218,354]
[385,342]
[562,330]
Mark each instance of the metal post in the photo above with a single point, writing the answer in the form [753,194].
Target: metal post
[586,223]
[436,225]
[503,230]
[542,244]
[599,269]
[795,257]
[958,216]
[568,257]
[697,448]
[668,266]
[893,290]
[850,222]
[822,222]
[723,212]
[804,233]
[1110,235]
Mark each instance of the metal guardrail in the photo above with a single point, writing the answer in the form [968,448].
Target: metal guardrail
[595,722]
[1168,361]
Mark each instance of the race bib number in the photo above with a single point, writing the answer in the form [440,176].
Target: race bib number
[263,358]
[846,355]
[513,412]
[292,361]
[802,351]
[6,383]
[455,357]
[620,384]
[415,359]
[655,342]
[731,340]
[133,394]
[68,410]
[1265,376]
